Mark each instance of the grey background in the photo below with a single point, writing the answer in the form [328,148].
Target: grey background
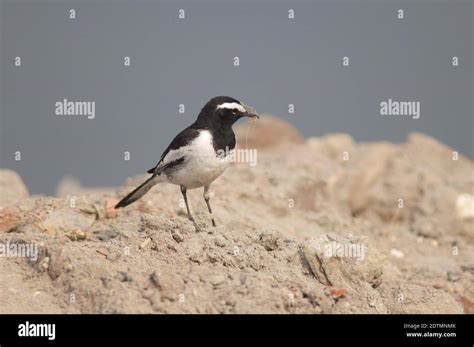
[188,61]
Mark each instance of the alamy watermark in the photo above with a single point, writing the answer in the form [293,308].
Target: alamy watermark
[344,250]
[28,329]
[75,108]
[238,155]
[400,108]
[19,250]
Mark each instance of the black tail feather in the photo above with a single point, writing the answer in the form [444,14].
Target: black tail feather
[137,193]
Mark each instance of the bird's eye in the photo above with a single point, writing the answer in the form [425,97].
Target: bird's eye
[234,110]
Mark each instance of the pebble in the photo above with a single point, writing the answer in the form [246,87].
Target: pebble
[106,235]
[220,241]
[124,277]
[145,243]
[453,276]
[217,279]
[45,263]
[110,211]
[269,241]
[396,253]
[177,236]
[56,264]
[8,220]
[76,235]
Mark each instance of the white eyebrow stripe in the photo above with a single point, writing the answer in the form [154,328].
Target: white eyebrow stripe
[231,105]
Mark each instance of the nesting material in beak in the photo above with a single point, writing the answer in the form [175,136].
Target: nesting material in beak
[250,112]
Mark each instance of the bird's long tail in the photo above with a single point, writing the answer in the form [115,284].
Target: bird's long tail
[138,192]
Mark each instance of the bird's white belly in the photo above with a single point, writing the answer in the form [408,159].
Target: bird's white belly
[201,172]
[201,165]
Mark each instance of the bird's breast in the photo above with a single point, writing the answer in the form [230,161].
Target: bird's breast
[203,163]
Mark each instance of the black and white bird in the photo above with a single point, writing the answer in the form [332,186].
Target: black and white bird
[199,154]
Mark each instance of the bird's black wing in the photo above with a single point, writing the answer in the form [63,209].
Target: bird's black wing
[181,140]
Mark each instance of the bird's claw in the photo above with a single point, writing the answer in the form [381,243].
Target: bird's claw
[196,226]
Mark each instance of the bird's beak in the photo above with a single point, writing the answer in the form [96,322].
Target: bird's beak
[250,112]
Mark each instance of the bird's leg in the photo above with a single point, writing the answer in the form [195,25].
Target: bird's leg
[207,199]
[183,191]
[191,218]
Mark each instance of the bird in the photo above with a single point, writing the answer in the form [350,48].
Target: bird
[198,155]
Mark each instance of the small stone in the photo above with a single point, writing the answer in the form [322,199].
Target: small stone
[56,264]
[220,241]
[177,236]
[231,302]
[396,253]
[8,220]
[110,211]
[336,293]
[145,243]
[217,279]
[76,235]
[106,235]
[269,241]
[453,276]
[465,206]
[124,277]
[45,263]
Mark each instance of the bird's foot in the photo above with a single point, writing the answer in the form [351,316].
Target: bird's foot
[196,225]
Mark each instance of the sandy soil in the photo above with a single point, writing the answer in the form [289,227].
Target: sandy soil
[317,226]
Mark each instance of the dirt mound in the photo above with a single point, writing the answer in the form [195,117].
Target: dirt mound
[267,132]
[12,188]
[323,225]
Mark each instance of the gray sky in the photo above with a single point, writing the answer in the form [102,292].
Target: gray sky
[188,61]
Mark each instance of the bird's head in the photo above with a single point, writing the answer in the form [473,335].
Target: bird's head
[226,110]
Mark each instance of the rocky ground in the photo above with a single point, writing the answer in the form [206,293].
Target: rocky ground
[319,225]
